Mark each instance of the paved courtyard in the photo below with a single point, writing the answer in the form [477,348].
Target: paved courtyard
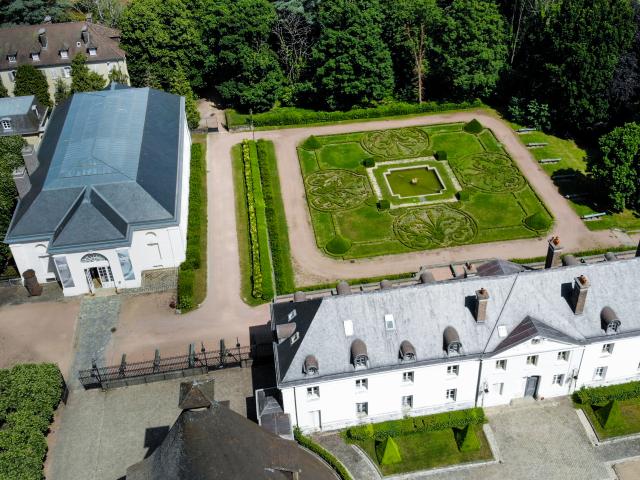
[536,441]
[97,435]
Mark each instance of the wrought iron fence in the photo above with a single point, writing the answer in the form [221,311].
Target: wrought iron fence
[166,368]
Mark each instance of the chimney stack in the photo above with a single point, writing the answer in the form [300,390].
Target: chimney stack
[42,37]
[580,290]
[554,253]
[85,34]
[22,181]
[482,301]
[30,157]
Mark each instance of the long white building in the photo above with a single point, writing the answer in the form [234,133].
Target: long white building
[436,346]
[104,197]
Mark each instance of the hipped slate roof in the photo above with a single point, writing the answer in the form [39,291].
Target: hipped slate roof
[526,303]
[10,106]
[23,40]
[110,163]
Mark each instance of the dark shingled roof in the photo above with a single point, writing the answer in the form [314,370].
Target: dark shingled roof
[110,163]
[499,267]
[529,328]
[23,40]
[215,443]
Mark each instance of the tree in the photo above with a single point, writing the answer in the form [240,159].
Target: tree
[62,91]
[158,35]
[180,86]
[10,158]
[118,76]
[31,81]
[474,47]
[3,90]
[105,12]
[409,29]
[241,64]
[83,79]
[351,61]
[617,168]
[19,12]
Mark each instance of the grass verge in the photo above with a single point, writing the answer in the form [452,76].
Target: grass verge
[192,274]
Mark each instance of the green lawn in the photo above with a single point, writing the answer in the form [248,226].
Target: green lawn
[630,410]
[422,451]
[573,160]
[343,196]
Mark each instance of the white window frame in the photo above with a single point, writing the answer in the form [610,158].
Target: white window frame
[64,53]
[408,377]
[453,370]
[607,348]
[558,379]
[362,384]
[498,388]
[451,394]
[93,52]
[35,57]
[313,392]
[6,125]
[362,409]
[66,72]
[564,356]
[407,401]
[501,365]
[532,360]
[12,58]
[12,75]
[600,373]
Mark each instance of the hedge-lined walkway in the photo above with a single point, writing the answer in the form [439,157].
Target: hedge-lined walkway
[356,463]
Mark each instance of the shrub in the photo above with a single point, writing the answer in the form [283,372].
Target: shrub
[384,204]
[369,162]
[441,155]
[538,221]
[308,443]
[602,395]
[474,127]
[186,288]
[609,415]
[338,245]
[463,195]
[387,451]
[311,143]
[467,439]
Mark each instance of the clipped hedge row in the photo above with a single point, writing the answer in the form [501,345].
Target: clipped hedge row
[309,444]
[602,395]
[193,269]
[29,395]
[276,219]
[296,116]
[430,423]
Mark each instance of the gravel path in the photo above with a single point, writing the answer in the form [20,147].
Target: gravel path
[312,266]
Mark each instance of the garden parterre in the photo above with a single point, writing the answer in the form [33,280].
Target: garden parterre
[348,196]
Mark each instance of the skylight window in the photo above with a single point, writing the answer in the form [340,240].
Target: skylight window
[502,331]
[292,315]
[389,322]
[348,328]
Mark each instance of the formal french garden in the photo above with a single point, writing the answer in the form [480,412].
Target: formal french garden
[417,188]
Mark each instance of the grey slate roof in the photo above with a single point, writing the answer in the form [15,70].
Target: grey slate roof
[530,328]
[422,312]
[110,163]
[25,113]
[15,105]
[499,267]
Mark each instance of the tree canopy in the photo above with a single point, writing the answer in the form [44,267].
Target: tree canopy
[83,79]
[31,81]
[10,158]
[18,12]
[180,86]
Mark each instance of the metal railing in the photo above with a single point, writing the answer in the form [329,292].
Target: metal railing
[159,368]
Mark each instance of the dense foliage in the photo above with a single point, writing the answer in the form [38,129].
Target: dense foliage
[31,81]
[602,395]
[10,158]
[309,444]
[83,79]
[19,12]
[180,86]
[29,395]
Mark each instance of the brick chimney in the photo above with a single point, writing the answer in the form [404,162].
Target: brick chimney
[579,298]
[42,38]
[482,302]
[554,253]
[22,181]
[30,157]
[85,34]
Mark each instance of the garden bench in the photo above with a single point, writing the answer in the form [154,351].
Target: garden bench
[572,196]
[593,216]
[525,130]
[549,160]
[537,144]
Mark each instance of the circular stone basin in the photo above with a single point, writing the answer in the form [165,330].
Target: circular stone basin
[402,181]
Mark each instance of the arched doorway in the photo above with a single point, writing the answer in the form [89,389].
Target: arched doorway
[98,271]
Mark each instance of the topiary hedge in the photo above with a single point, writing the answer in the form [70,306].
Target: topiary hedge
[306,442]
[29,395]
[466,439]
[602,395]
[463,195]
[538,221]
[609,415]
[441,155]
[384,204]
[338,245]
[406,426]
[387,451]
[474,127]
[311,143]
[369,162]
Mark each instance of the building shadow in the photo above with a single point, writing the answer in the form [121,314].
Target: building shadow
[153,437]
[263,373]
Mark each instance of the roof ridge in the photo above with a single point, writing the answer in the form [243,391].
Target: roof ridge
[504,305]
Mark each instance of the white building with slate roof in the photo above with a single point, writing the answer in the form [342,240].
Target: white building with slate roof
[105,195]
[482,341]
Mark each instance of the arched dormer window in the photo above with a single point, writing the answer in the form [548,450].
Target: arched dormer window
[407,352]
[610,321]
[93,257]
[452,344]
[359,355]
[311,365]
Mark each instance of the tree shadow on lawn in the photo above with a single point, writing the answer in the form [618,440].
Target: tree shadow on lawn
[579,188]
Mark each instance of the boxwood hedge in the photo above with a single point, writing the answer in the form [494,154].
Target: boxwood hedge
[603,395]
[309,444]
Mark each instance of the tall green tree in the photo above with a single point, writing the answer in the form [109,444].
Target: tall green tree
[83,79]
[62,91]
[180,86]
[352,63]
[158,35]
[18,12]
[410,28]
[474,47]
[3,90]
[241,63]
[574,62]
[617,168]
[31,81]
[10,158]
[118,76]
